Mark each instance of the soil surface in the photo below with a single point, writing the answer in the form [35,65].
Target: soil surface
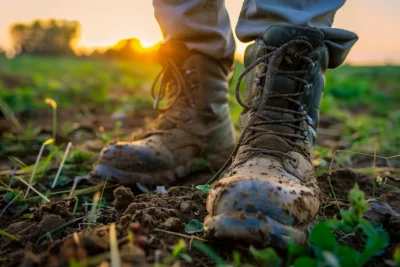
[149,225]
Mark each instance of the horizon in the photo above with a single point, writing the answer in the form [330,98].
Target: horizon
[101,29]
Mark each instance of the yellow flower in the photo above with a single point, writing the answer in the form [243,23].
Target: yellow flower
[51,102]
[49,141]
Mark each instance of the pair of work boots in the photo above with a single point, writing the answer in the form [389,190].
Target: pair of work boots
[269,193]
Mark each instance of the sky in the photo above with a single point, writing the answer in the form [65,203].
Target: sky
[104,22]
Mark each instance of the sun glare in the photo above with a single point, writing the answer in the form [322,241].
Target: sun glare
[147,44]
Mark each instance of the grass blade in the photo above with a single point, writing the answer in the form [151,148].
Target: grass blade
[94,210]
[36,165]
[62,164]
[53,104]
[114,251]
[33,189]
[3,233]
[208,251]
[9,204]
[9,115]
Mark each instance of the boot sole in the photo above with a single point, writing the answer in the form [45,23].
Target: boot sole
[250,228]
[129,178]
[159,178]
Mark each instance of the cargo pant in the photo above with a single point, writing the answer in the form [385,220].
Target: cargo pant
[204,26]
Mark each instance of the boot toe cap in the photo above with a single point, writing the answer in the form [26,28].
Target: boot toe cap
[136,156]
[129,163]
[285,200]
[257,210]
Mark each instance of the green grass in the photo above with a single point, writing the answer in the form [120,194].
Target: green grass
[365,99]
[71,81]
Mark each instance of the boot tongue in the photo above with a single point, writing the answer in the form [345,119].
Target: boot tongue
[277,35]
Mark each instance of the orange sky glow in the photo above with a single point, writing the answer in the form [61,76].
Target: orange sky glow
[104,22]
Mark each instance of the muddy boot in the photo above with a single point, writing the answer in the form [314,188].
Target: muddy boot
[270,193]
[193,131]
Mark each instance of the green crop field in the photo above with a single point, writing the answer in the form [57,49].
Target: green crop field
[101,100]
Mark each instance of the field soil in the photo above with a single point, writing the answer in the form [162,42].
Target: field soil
[149,225]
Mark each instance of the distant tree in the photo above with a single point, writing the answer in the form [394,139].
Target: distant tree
[45,37]
[128,49]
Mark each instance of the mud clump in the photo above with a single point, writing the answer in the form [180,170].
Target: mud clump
[48,223]
[61,208]
[123,198]
[167,211]
[47,219]
[142,225]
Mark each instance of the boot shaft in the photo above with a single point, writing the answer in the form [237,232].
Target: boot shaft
[204,78]
[284,83]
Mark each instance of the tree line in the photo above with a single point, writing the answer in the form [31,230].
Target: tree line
[57,37]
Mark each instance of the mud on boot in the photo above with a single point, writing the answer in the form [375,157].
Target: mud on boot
[194,126]
[270,193]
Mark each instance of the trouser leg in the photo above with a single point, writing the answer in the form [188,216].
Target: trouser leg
[257,15]
[201,25]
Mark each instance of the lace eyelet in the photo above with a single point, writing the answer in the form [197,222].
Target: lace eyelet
[311,66]
[307,88]
[294,162]
[309,120]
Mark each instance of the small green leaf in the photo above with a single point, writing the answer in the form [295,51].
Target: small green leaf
[396,255]
[297,250]
[266,257]
[376,241]
[178,249]
[15,196]
[205,188]
[357,202]
[305,261]
[193,226]
[28,215]
[186,257]
[347,256]
[211,253]
[322,237]
[63,180]
[236,259]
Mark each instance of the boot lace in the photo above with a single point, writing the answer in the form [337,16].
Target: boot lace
[171,76]
[286,52]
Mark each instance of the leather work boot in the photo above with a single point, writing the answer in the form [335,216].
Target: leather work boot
[270,193]
[195,125]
